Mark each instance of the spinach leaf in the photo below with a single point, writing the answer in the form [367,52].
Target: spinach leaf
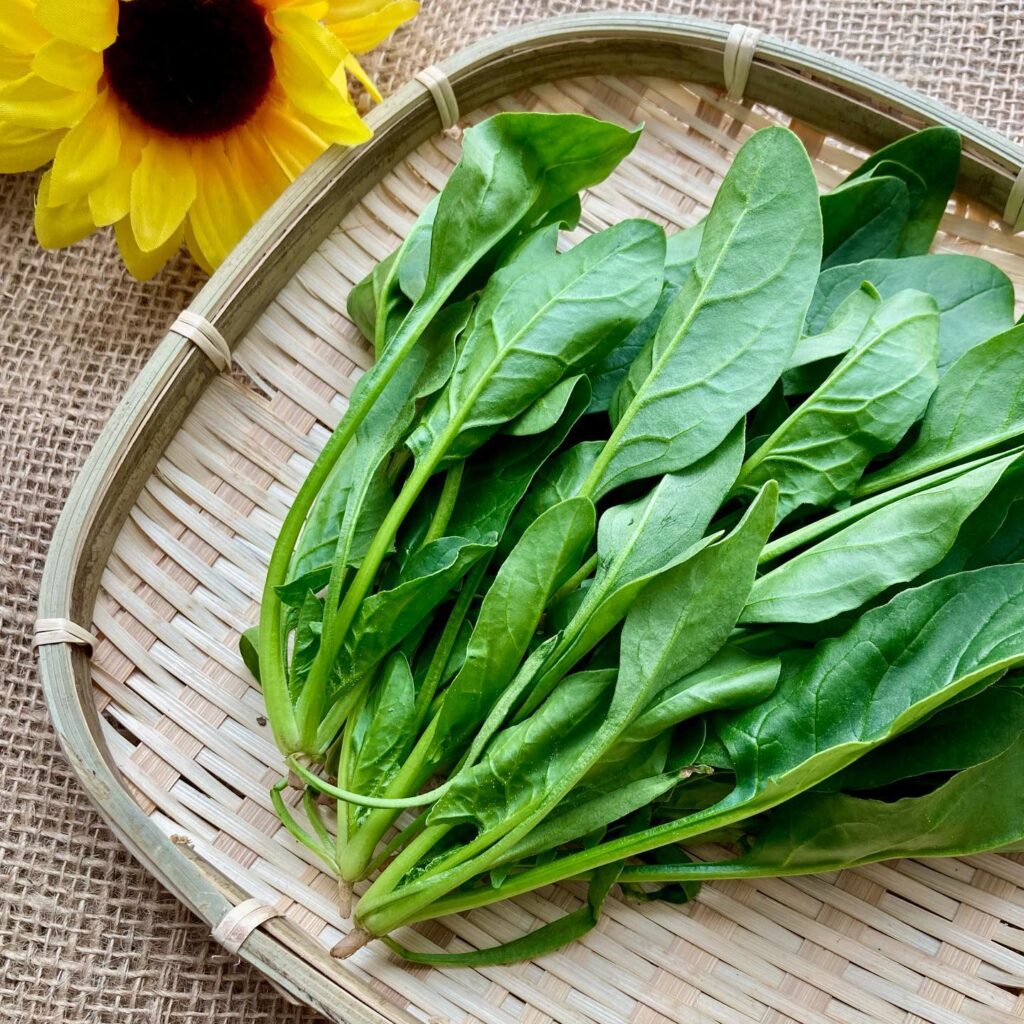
[554,318]
[932,156]
[975,298]
[898,664]
[977,406]
[497,476]
[864,219]
[955,738]
[979,809]
[638,541]
[680,253]
[862,409]
[994,533]
[814,352]
[380,749]
[547,410]
[894,544]
[733,326]
[387,617]
[545,556]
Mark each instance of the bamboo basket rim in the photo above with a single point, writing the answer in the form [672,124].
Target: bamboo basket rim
[802,81]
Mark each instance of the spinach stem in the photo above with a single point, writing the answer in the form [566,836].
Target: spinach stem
[290,729]
[573,582]
[446,503]
[443,651]
[829,524]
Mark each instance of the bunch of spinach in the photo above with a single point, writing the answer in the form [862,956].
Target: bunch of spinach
[645,542]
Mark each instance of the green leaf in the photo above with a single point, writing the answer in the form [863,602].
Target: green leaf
[306,642]
[864,219]
[680,253]
[811,360]
[545,556]
[526,335]
[389,732]
[977,406]
[897,665]
[994,533]
[977,810]
[547,410]
[685,615]
[248,647]
[731,679]
[524,761]
[548,937]
[955,738]
[387,617]
[862,409]
[639,540]
[975,298]
[932,156]
[894,544]
[733,326]
[600,810]
[497,476]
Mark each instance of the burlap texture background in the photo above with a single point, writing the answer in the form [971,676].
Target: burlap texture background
[85,934]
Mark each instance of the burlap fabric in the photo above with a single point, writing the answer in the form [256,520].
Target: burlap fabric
[85,934]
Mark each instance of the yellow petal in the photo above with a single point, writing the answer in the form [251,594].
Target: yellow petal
[88,152]
[310,63]
[353,132]
[363,33]
[194,250]
[25,149]
[34,103]
[19,29]
[218,218]
[110,198]
[293,144]
[68,64]
[140,264]
[354,68]
[13,65]
[90,23]
[259,178]
[315,9]
[163,188]
[58,226]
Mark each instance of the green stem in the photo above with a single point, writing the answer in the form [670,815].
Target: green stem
[273,670]
[884,479]
[312,843]
[327,731]
[830,524]
[445,503]
[361,799]
[445,644]
[573,582]
[353,861]
[345,767]
[336,626]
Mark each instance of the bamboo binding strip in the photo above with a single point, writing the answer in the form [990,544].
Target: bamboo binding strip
[204,336]
[62,631]
[172,707]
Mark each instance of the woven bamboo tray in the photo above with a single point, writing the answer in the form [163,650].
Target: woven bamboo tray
[162,548]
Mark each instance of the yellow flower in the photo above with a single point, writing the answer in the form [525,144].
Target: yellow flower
[177,120]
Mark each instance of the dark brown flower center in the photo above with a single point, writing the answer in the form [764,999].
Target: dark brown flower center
[191,68]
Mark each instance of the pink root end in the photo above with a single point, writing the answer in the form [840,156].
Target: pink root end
[353,942]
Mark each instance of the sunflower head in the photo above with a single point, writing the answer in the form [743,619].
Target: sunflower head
[177,121]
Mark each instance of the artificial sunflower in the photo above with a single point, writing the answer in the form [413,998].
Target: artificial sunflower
[177,120]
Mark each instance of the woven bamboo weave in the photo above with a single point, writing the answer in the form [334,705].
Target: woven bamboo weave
[939,941]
